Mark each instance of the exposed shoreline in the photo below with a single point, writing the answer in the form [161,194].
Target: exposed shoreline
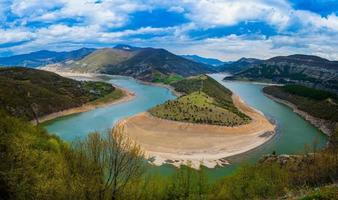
[323,125]
[128,96]
[171,142]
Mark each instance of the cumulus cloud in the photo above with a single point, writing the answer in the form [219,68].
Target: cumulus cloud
[67,24]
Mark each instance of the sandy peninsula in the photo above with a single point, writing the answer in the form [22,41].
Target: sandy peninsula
[178,143]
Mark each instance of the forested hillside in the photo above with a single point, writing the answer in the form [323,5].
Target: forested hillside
[311,71]
[317,103]
[30,93]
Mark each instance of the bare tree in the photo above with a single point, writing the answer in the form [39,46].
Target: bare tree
[115,159]
[124,161]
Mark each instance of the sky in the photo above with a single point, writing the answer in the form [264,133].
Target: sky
[223,29]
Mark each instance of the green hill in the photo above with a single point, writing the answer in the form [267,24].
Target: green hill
[205,101]
[100,59]
[31,93]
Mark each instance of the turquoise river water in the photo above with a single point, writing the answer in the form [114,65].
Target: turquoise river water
[293,132]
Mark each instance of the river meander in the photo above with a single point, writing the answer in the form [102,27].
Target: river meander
[293,132]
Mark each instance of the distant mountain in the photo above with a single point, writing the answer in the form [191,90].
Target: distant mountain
[312,71]
[209,61]
[239,65]
[141,63]
[44,57]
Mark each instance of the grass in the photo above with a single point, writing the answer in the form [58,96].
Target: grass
[205,101]
[197,107]
[166,79]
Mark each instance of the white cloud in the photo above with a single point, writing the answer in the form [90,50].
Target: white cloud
[177,9]
[14,35]
[96,22]
[108,13]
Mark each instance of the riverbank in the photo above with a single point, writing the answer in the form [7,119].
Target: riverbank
[177,143]
[105,101]
[325,126]
[127,96]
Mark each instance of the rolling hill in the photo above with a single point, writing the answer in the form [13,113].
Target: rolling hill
[209,61]
[100,59]
[305,70]
[205,101]
[239,65]
[44,57]
[31,93]
[146,64]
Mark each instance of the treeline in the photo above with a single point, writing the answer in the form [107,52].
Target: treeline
[317,103]
[36,165]
[309,92]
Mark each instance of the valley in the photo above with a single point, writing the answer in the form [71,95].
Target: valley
[288,139]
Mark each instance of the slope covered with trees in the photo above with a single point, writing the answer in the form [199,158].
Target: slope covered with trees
[205,101]
[317,103]
[311,71]
[31,93]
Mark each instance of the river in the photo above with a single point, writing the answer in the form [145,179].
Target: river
[293,132]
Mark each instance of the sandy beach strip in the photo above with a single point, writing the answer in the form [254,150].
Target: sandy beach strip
[176,143]
[128,96]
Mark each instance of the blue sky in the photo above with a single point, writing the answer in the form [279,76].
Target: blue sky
[223,29]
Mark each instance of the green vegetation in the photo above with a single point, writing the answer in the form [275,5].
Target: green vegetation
[114,95]
[317,103]
[206,101]
[35,165]
[30,93]
[166,79]
[323,193]
[309,92]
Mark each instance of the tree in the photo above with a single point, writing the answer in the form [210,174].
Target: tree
[115,160]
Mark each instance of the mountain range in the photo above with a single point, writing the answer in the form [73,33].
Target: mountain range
[44,57]
[160,65]
[308,70]
[209,61]
[142,63]
[239,65]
